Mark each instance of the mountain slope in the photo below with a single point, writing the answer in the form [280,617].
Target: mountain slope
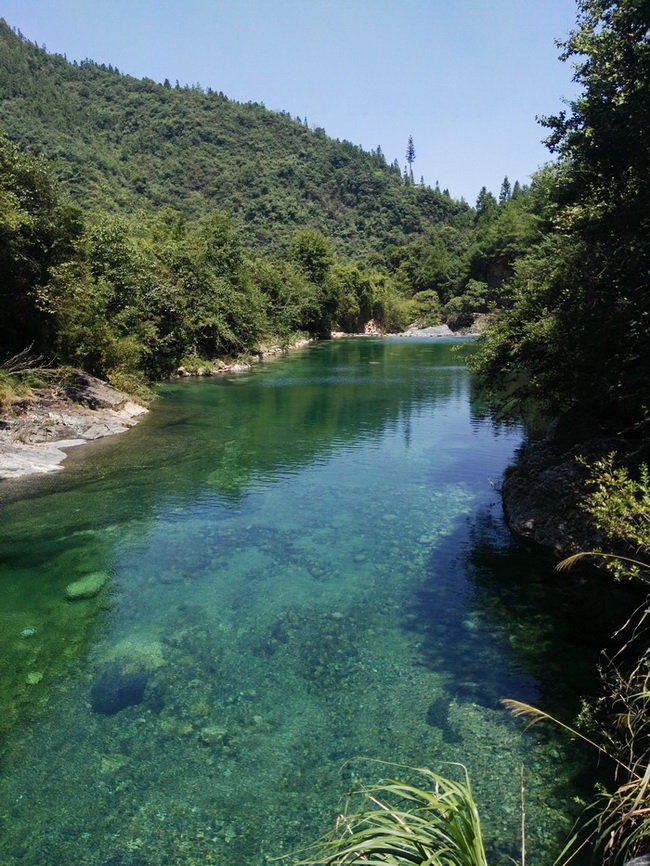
[122,143]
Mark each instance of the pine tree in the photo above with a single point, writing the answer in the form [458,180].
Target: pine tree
[410,158]
[486,205]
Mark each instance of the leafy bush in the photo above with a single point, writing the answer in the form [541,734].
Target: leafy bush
[459,312]
[427,307]
[618,823]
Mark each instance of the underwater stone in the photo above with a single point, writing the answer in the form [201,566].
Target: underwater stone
[213,736]
[114,692]
[113,763]
[133,654]
[86,587]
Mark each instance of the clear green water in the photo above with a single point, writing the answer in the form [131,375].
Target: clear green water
[308,564]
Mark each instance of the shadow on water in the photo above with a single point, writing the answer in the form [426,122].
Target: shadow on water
[489,606]
[501,623]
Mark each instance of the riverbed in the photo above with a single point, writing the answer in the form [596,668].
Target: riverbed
[303,566]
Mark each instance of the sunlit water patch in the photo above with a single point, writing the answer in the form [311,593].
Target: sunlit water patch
[303,566]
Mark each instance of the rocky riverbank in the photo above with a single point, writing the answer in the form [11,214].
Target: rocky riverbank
[218,367]
[541,495]
[373,330]
[544,490]
[36,431]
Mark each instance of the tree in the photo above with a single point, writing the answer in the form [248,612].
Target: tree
[605,194]
[410,158]
[38,230]
[312,253]
[579,334]
[486,205]
[506,191]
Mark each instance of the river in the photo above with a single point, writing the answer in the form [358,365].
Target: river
[306,565]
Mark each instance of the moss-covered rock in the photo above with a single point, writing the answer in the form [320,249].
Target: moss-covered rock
[87,586]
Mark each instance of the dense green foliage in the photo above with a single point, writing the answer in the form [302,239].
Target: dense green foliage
[463,266]
[619,504]
[618,823]
[125,295]
[577,335]
[37,232]
[204,227]
[124,144]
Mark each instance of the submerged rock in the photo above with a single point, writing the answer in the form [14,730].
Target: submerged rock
[213,735]
[87,586]
[114,692]
[134,653]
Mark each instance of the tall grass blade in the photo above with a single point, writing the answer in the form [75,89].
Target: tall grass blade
[436,824]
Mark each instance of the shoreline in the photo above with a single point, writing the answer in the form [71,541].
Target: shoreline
[37,431]
[434,331]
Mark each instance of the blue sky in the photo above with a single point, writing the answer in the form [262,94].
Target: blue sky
[465,78]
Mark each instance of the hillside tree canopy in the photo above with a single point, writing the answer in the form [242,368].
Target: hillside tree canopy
[578,333]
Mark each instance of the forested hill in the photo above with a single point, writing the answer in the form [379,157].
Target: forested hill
[121,143]
[200,227]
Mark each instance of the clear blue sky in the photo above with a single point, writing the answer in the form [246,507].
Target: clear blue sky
[465,78]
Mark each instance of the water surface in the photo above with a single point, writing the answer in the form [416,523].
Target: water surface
[306,564]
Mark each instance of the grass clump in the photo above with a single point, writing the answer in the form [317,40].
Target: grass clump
[18,375]
[10,389]
[435,823]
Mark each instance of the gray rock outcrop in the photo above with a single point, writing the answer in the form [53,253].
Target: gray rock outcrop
[541,500]
[35,432]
